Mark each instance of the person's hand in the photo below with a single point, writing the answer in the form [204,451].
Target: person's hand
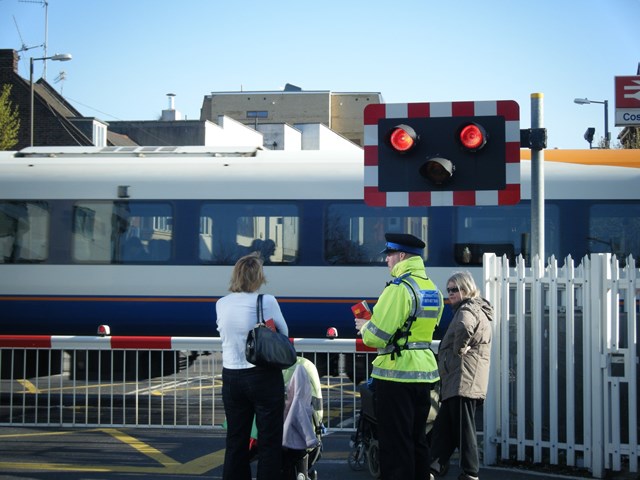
[359,322]
[464,350]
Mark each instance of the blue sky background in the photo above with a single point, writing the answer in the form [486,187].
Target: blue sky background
[128,54]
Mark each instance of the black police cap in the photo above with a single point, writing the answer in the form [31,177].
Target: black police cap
[403,242]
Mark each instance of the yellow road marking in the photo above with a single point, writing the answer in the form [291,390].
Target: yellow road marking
[197,466]
[51,467]
[41,434]
[202,464]
[142,447]
[28,386]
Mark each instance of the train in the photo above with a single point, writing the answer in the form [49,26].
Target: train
[144,239]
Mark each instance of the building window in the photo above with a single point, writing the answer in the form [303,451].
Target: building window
[99,134]
[257,114]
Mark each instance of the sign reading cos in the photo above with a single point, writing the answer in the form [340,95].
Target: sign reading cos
[442,153]
[627,101]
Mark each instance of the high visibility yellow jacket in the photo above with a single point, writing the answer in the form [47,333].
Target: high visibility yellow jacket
[405,358]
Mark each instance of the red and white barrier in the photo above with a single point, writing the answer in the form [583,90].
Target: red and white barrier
[119,342]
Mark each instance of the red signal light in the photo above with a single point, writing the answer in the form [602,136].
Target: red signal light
[473,137]
[104,330]
[332,332]
[403,138]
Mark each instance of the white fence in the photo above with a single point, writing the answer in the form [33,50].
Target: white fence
[564,379]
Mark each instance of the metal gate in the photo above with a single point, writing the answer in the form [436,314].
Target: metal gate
[563,388]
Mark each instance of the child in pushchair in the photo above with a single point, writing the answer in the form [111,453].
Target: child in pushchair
[303,428]
[364,443]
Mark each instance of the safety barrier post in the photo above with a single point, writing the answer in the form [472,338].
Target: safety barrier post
[598,273]
[492,405]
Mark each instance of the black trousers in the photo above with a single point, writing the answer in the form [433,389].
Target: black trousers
[401,412]
[245,393]
[455,427]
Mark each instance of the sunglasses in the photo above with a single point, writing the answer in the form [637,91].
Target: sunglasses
[453,290]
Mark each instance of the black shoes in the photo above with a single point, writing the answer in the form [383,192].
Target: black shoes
[440,470]
[466,476]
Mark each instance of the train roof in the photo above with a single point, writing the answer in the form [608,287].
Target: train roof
[606,157]
[234,173]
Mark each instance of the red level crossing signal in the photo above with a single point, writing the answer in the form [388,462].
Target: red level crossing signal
[442,154]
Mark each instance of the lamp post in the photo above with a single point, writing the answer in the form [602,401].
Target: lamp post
[586,101]
[59,57]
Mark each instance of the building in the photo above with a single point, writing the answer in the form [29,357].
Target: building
[341,112]
[292,119]
[629,137]
[56,122]
[226,132]
[223,130]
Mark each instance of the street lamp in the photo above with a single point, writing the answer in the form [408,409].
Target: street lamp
[586,101]
[59,57]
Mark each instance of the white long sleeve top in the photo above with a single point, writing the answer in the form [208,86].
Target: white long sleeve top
[236,315]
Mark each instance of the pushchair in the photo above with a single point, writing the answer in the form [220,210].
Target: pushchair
[364,442]
[303,427]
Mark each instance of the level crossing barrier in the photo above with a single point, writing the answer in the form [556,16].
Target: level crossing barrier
[85,381]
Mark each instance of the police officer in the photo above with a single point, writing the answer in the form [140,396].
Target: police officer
[405,368]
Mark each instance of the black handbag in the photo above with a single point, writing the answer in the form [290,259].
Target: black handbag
[266,348]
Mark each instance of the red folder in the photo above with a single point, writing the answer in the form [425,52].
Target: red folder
[361,310]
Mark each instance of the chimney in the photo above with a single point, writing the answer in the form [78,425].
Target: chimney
[171,114]
[9,60]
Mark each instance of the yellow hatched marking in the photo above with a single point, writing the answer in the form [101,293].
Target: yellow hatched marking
[197,466]
[142,447]
[40,434]
[28,386]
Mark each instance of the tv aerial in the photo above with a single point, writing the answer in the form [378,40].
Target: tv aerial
[62,76]
[24,46]
[45,4]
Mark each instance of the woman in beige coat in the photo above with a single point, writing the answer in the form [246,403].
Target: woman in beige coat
[463,361]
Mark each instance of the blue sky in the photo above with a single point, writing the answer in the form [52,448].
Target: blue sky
[128,54]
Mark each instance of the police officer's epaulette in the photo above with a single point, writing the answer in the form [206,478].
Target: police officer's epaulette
[398,280]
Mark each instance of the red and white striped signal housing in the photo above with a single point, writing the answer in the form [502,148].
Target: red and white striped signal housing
[442,154]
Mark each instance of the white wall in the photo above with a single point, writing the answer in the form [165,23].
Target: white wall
[285,136]
[228,132]
[316,136]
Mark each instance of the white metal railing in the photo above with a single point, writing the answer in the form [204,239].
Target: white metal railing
[564,379]
[82,381]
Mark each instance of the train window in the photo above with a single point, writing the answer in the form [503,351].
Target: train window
[24,232]
[122,232]
[615,228]
[504,230]
[354,233]
[230,230]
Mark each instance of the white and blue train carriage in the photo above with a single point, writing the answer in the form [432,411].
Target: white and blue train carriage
[144,239]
